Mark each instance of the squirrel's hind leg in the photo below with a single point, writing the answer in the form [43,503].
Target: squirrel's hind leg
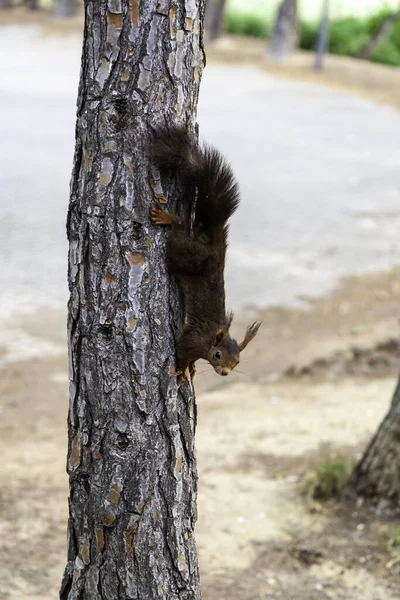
[159,216]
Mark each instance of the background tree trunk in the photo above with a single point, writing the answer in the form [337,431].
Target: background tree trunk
[214,19]
[377,475]
[381,35]
[64,8]
[32,4]
[5,3]
[131,457]
[323,35]
[284,34]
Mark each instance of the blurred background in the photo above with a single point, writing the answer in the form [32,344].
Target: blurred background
[303,97]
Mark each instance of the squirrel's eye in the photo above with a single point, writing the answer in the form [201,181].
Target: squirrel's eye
[218,355]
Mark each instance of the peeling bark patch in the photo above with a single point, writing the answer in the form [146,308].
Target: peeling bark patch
[109,277]
[188,24]
[114,19]
[109,519]
[107,170]
[75,456]
[114,493]
[134,8]
[125,75]
[129,165]
[105,179]
[182,565]
[131,325]
[136,259]
[178,463]
[85,551]
[103,71]
[160,589]
[171,23]
[100,540]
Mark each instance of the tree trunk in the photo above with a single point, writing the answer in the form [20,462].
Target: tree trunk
[381,35]
[377,475]
[5,3]
[32,4]
[323,35]
[284,34]
[214,19]
[64,8]
[131,457]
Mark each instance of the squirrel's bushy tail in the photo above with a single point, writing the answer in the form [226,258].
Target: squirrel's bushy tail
[205,168]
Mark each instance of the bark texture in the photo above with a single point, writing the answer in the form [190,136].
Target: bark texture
[131,456]
[377,475]
[214,19]
[64,8]
[381,35]
[284,34]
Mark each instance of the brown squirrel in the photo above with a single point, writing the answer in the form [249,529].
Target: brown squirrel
[197,258]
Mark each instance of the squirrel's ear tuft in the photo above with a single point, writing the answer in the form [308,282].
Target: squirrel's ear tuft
[221,335]
[251,332]
[229,319]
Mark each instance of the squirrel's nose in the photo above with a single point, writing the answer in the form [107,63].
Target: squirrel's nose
[224,373]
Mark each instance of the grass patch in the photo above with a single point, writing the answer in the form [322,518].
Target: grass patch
[393,542]
[248,24]
[328,479]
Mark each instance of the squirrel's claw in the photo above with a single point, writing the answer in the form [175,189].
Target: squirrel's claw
[187,374]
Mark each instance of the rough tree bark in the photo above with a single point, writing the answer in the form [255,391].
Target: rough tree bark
[377,475]
[131,457]
[381,35]
[284,34]
[64,8]
[214,19]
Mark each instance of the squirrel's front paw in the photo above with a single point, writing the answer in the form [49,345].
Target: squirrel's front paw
[182,375]
[157,213]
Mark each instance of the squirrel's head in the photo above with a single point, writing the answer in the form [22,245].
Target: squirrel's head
[224,354]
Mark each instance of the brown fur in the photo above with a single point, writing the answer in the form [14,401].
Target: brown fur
[198,259]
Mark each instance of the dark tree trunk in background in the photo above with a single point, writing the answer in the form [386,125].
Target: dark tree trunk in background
[377,475]
[214,19]
[64,8]
[32,4]
[131,455]
[5,3]
[381,35]
[284,34]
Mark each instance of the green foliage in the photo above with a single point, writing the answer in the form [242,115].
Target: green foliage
[388,53]
[394,540]
[247,24]
[348,35]
[326,481]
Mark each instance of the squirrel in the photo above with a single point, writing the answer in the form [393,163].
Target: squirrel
[197,258]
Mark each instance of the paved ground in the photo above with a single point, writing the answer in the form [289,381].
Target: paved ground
[319,171]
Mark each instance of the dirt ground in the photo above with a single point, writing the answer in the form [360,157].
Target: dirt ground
[313,385]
